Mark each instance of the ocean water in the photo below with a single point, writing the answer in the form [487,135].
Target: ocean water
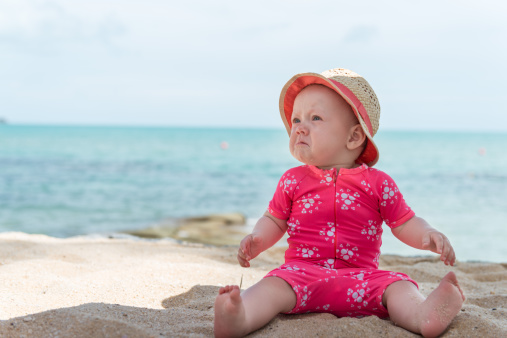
[66,180]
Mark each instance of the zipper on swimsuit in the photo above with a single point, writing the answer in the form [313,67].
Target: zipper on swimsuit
[335,178]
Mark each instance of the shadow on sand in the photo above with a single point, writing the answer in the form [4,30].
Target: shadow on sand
[190,314]
[187,314]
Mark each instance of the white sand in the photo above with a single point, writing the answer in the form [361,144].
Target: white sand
[82,287]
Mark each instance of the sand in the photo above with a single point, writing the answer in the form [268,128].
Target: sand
[123,287]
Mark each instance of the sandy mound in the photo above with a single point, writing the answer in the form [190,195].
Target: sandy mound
[82,287]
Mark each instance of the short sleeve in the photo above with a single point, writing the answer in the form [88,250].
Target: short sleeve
[393,208]
[281,204]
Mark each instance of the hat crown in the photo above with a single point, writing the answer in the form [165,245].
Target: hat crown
[361,89]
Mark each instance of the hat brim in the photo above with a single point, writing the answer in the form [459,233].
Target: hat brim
[297,83]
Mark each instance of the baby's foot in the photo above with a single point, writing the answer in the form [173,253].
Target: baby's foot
[229,313]
[441,306]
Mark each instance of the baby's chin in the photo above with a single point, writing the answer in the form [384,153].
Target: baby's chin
[307,161]
[306,155]
[314,162]
[300,157]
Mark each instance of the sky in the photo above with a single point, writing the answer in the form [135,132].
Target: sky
[435,65]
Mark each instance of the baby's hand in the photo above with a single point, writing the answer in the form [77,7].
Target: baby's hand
[437,242]
[249,248]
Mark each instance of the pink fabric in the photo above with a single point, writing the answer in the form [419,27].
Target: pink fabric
[335,223]
[342,292]
[335,218]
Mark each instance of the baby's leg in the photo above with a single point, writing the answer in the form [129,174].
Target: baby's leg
[429,317]
[237,315]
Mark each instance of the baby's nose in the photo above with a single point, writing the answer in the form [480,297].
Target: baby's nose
[301,129]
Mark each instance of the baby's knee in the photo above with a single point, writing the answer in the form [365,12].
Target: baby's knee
[401,289]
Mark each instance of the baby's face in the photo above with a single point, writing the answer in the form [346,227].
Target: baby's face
[321,121]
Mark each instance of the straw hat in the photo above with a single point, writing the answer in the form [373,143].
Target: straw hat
[353,88]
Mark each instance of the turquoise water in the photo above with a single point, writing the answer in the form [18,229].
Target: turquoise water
[65,181]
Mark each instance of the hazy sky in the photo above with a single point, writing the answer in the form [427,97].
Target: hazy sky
[434,64]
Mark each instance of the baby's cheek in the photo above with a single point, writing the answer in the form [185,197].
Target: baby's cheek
[293,150]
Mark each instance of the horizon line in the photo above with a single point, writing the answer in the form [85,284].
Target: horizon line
[164,126]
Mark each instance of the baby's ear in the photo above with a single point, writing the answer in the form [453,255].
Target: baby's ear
[356,137]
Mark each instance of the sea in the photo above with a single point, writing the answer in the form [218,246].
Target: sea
[66,181]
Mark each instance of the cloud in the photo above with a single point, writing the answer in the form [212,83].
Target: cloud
[361,34]
[155,59]
[48,27]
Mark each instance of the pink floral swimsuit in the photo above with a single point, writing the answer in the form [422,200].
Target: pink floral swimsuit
[335,228]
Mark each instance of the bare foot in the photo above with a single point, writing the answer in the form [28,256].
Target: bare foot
[229,313]
[441,306]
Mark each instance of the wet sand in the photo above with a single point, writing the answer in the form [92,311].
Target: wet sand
[99,287]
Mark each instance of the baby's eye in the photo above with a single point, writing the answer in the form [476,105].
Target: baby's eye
[316,118]
[295,120]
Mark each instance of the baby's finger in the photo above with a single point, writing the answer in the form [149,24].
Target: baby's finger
[241,253]
[243,262]
[247,255]
[439,242]
[452,258]
[245,245]
[446,252]
[451,255]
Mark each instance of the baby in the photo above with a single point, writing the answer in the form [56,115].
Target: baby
[333,208]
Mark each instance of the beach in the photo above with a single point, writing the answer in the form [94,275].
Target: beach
[126,287]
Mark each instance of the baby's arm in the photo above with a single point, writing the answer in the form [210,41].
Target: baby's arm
[417,233]
[266,233]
